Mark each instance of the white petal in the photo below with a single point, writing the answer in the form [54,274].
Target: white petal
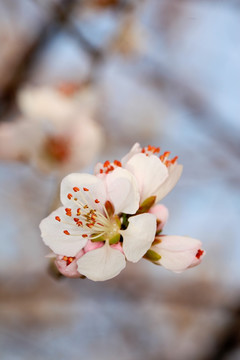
[150,173]
[175,171]
[101,264]
[139,235]
[123,191]
[95,185]
[54,237]
[136,149]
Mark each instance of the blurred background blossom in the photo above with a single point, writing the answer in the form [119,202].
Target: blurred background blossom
[105,74]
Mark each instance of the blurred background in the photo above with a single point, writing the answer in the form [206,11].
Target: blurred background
[82,81]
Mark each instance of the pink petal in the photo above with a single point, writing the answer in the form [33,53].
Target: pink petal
[161,213]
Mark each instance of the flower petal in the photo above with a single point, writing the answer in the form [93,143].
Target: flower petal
[52,232]
[161,213]
[177,252]
[95,186]
[150,173]
[102,264]
[139,235]
[123,191]
[179,243]
[175,171]
[136,149]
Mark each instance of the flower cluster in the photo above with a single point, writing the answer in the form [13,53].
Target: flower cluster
[113,216]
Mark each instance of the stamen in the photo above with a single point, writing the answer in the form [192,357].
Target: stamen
[68,211]
[57,218]
[85,189]
[97,201]
[117,163]
[66,232]
[84,235]
[68,259]
[76,189]
[69,196]
[106,164]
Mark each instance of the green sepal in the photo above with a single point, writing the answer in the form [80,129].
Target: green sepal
[117,220]
[152,256]
[99,238]
[146,205]
[115,239]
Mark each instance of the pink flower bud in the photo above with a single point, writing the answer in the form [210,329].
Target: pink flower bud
[161,213]
[177,253]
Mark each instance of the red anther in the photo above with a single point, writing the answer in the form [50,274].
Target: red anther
[85,189]
[156,150]
[149,148]
[143,150]
[78,212]
[66,232]
[85,207]
[68,212]
[161,157]
[76,189]
[70,260]
[84,235]
[166,154]
[76,220]
[174,160]
[69,196]
[117,163]
[101,171]
[79,223]
[111,168]
[199,253]
[106,164]
[97,201]
[90,225]
[57,218]
[65,258]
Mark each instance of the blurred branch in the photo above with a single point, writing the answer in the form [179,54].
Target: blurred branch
[58,14]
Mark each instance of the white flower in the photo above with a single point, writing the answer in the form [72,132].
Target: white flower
[176,253]
[94,209]
[54,134]
[156,175]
